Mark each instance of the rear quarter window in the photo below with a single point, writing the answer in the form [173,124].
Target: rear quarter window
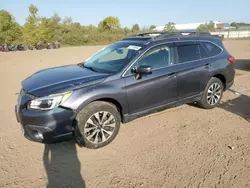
[212,49]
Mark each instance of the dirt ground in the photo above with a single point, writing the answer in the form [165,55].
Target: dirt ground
[180,147]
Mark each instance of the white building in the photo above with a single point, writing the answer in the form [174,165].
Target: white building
[194,26]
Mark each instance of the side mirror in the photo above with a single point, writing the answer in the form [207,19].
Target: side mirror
[139,71]
[144,69]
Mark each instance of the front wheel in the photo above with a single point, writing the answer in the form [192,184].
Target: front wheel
[98,124]
[212,94]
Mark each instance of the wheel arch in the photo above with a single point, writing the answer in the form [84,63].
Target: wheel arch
[222,78]
[111,100]
[115,103]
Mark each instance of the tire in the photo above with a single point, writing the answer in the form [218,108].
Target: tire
[211,91]
[91,130]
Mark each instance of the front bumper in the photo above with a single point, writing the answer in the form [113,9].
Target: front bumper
[46,126]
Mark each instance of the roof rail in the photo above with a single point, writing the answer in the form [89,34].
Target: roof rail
[135,37]
[150,33]
[181,34]
[165,35]
[143,36]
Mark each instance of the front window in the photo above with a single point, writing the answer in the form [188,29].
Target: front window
[113,58]
[156,57]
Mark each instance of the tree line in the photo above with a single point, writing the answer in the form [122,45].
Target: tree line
[43,29]
[239,24]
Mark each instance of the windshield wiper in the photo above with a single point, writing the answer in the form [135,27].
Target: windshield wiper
[97,70]
[91,68]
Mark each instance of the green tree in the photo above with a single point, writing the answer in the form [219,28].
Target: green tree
[135,28]
[234,24]
[56,18]
[56,27]
[169,27]
[100,26]
[152,27]
[145,29]
[110,23]
[207,27]
[67,20]
[9,29]
[45,30]
[30,30]
[237,24]
[126,30]
[73,33]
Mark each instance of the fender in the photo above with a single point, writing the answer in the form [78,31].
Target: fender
[112,90]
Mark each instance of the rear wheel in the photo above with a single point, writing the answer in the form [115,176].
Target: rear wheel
[212,94]
[98,124]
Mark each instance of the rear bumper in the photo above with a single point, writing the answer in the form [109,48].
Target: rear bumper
[228,85]
[46,126]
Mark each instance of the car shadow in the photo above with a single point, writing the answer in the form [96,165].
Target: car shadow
[242,64]
[62,165]
[239,106]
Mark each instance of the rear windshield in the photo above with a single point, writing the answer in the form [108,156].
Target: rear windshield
[113,58]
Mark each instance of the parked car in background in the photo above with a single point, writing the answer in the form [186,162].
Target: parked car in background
[21,47]
[133,77]
[49,45]
[12,47]
[56,45]
[30,47]
[4,48]
[40,46]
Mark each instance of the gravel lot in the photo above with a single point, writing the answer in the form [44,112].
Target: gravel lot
[180,147]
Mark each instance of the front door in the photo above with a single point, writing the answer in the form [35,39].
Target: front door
[155,89]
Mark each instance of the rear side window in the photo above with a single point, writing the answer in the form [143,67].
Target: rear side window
[212,49]
[188,52]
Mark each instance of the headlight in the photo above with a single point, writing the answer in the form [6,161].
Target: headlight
[49,102]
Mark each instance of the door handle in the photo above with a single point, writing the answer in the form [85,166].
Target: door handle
[172,75]
[208,66]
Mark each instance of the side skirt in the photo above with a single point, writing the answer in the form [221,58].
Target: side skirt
[131,117]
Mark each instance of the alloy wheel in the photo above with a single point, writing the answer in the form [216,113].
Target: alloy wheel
[214,94]
[99,127]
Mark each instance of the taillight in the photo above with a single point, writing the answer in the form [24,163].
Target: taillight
[231,59]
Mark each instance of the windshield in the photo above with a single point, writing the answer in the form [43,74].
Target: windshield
[113,58]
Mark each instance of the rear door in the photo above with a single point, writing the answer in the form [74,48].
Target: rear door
[193,69]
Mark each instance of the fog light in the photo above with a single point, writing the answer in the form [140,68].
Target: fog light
[38,135]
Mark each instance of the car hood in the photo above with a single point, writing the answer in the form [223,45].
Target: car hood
[61,79]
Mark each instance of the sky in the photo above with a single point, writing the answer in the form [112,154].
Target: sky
[143,12]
